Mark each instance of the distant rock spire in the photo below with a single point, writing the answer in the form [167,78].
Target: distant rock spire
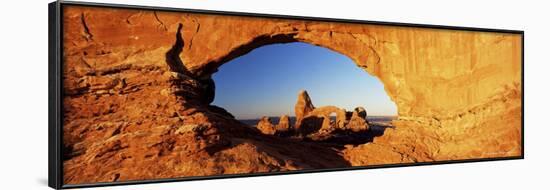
[284,124]
[303,107]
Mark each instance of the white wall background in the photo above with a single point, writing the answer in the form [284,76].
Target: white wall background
[23,94]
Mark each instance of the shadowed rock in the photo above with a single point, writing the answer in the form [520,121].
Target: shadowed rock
[326,124]
[361,112]
[310,124]
[357,122]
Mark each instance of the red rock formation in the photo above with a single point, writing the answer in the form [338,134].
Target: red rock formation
[318,120]
[138,83]
[284,124]
[326,111]
[361,112]
[265,126]
[302,108]
[327,124]
[358,122]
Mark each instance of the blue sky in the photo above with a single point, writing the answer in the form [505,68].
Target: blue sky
[266,82]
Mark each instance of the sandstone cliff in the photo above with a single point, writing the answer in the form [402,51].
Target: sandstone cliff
[138,87]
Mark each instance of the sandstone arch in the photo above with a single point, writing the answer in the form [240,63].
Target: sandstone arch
[420,68]
[326,111]
[440,80]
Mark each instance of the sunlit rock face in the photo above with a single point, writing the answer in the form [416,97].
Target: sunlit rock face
[265,126]
[138,85]
[302,108]
[284,124]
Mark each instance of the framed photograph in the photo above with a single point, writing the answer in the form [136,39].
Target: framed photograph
[155,94]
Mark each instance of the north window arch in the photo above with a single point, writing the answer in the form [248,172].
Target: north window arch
[265,81]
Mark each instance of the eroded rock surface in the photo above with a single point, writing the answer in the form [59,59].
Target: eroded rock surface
[302,108]
[358,121]
[265,126]
[284,124]
[138,87]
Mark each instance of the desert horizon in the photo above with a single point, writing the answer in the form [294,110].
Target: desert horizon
[387,117]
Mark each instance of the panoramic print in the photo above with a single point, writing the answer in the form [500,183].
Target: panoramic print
[156,95]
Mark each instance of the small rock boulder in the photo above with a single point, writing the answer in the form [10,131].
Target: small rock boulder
[284,124]
[357,122]
[361,112]
[265,126]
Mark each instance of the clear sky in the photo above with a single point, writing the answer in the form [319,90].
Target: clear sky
[266,82]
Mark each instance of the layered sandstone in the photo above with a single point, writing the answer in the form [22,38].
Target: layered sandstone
[138,87]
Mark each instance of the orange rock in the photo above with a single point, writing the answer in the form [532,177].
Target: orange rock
[326,125]
[327,111]
[284,124]
[265,126]
[302,108]
[357,122]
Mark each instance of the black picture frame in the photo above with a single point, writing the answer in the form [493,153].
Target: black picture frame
[55,92]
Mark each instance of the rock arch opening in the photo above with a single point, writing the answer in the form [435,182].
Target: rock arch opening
[262,86]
